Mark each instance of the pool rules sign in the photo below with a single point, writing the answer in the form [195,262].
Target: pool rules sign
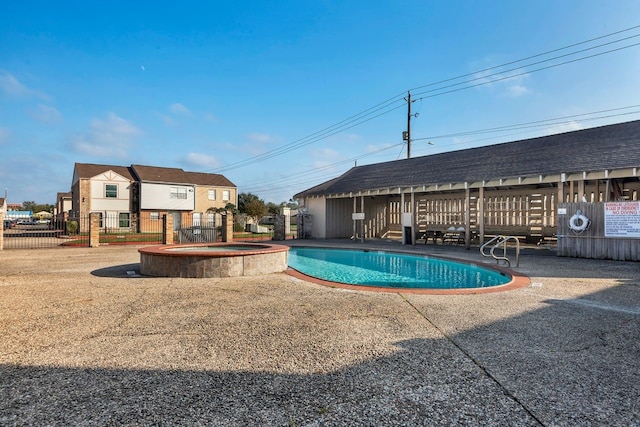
[622,219]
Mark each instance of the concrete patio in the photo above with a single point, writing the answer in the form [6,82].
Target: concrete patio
[86,340]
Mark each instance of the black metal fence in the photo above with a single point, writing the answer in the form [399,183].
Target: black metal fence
[73,232]
[115,229]
[32,234]
[195,230]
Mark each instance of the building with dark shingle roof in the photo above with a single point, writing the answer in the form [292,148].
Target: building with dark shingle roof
[175,191]
[136,196]
[511,187]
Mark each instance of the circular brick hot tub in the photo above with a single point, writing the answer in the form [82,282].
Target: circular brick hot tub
[213,260]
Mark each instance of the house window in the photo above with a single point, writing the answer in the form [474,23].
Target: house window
[124,220]
[111,191]
[154,216]
[212,194]
[178,193]
[197,218]
[210,220]
[226,195]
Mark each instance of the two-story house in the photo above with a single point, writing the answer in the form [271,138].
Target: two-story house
[62,208]
[105,189]
[135,198]
[187,196]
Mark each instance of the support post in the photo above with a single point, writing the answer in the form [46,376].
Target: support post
[1,230]
[480,217]
[408,124]
[581,191]
[355,222]
[94,229]
[467,219]
[227,227]
[362,221]
[413,215]
[561,194]
[167,229]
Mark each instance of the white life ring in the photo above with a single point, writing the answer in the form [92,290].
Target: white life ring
[578,222]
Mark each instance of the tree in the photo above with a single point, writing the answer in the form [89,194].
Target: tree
[34,207]
[229,207]
[243,199]
[252,206]
[29,206]
[292,204]
[256,209]
[273,208]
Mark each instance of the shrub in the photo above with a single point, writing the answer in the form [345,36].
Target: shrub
[72,227]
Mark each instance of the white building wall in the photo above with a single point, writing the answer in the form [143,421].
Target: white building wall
[99,201]
[317,208]
[158,196]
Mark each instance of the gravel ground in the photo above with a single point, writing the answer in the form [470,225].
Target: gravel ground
[87,341]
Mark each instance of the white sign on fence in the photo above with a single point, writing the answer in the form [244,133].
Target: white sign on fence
[622,219]
[357,216]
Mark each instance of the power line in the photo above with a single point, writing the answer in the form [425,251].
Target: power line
[521,73]
[520,126]
[387,106]
[334,129]
[527,58]
[537,123]
[329,166]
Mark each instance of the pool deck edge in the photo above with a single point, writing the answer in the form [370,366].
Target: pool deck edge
[517,281]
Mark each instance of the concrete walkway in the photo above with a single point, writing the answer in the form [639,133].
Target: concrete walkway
[86,340]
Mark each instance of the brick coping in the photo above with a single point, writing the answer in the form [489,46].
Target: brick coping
[517,281]
[169,250]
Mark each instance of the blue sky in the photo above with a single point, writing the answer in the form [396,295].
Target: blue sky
[281,95]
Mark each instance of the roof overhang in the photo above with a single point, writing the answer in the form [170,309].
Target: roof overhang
[490,183]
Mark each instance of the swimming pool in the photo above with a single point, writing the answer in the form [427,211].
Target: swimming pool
[392,270]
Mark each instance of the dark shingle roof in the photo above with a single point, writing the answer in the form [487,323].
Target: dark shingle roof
[89,170]
[605,147]
[179,176]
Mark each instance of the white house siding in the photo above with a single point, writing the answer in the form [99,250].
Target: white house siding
[100,203]
[158,197]
[317,208]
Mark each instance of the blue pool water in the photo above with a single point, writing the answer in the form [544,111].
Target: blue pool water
[387,269]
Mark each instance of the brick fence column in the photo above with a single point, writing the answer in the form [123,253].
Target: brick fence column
[1,230]
[94,230]
[167,229]
[227,227]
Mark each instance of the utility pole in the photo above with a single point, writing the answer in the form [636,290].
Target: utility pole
[408,124]
[406,135]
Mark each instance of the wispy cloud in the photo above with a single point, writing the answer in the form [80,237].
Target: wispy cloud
[564,127]
[179,109]
[210,117]
[202,160]
[176,110]
[323,157]
[501,81]
[111,137]
[374,148]
[261,138]
[4,135]
[46,114]
[11,86]
[168,120]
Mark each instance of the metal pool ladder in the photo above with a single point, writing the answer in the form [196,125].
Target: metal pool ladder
[501,240]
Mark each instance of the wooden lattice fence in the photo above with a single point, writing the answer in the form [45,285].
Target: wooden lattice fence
[593,241]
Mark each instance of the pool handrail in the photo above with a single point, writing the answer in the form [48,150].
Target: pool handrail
[502,240]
